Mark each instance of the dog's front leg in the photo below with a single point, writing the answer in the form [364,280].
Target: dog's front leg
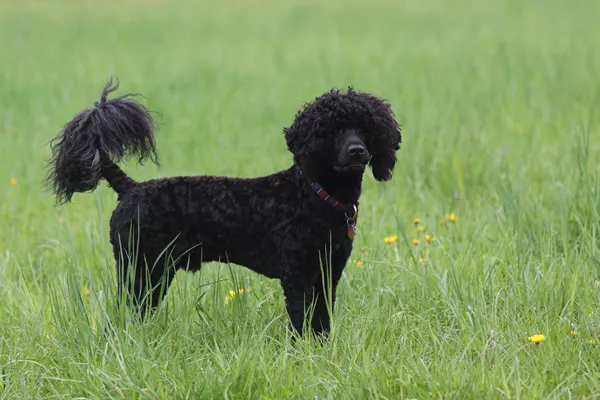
[325,288]
[297,300]
[324,298]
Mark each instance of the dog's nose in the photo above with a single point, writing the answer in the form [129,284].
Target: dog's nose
[356,150]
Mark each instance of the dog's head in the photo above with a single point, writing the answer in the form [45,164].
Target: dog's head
[342,133]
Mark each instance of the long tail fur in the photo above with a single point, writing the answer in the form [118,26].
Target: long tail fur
[91,144]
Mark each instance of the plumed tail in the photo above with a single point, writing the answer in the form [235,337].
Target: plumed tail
[92,143]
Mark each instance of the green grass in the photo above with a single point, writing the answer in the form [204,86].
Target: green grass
[499,103]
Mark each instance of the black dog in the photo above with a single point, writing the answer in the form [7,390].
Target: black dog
[294,225]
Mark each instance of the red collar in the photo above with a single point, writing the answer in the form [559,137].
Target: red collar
[329,199]
[349,211]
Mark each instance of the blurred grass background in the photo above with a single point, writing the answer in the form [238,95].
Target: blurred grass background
[499,106]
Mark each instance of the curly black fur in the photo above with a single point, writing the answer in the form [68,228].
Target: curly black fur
[275,225]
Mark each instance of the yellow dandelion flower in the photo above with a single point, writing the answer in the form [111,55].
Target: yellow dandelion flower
[390,239]
[421,228]
[537,338]
[13,181]
[359,263]
[234,293]
[573,333]
[421,260]
[452,217]
[85,292]
[428,238]
[416,242]
[417,221]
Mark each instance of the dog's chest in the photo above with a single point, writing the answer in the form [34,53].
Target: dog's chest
[342,235]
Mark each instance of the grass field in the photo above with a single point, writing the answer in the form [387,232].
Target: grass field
[500,107]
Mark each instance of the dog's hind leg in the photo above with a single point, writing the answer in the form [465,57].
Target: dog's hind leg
[144,279]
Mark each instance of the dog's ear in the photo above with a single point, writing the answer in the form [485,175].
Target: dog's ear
[294,139]
[303,136]
[304,143]
[384,137]
[386,143]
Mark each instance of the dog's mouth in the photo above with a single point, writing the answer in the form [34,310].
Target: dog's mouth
[355,167]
